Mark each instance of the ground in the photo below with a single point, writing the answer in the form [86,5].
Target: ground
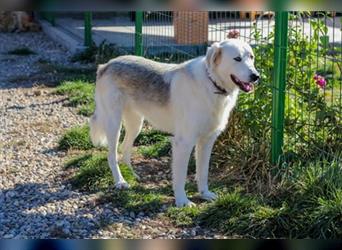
[55,184]
[37,200]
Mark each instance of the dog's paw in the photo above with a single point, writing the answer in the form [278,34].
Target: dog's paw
[121,185]
[209,196]
[184,203]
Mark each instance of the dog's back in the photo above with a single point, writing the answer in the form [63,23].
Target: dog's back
[139,78]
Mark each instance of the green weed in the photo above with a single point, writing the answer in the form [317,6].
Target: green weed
[80,93]
[76,138]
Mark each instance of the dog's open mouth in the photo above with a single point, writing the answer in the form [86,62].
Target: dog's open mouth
[244,86]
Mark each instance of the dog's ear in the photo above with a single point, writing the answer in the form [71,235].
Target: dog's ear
[214,54]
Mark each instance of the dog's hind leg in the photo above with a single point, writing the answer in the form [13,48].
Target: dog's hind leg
[109,105]
[202,154]
[133,123]
[113,127]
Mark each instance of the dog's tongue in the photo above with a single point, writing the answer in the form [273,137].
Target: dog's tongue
[245,86]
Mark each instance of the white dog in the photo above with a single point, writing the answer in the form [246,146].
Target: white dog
[192,101]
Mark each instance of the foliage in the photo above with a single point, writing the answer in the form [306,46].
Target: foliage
[107,51]
[312,113]
[309,111]
[98,54]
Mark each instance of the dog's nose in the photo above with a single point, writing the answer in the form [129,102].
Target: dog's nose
[254,77]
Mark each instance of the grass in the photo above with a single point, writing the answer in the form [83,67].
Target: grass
[306,201]
[152,143]
[81,95]
[94,175]
[307,205]
[303,199]
[150,136]
[183,217]
[157,150]
[76,138]
[21,52]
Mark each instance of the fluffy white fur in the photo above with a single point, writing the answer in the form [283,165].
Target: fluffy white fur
[194,114]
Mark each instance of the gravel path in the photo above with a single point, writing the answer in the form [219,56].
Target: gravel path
[35,200]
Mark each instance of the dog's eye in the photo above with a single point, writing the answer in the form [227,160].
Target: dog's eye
[252,57]
[238,59]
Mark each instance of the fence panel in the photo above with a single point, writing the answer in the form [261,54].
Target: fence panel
[312,119]
[313,99]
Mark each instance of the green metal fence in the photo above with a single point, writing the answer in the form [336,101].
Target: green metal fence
[297,53]
[296,109]
[313,89]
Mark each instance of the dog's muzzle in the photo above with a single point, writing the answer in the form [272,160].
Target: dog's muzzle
[245,86]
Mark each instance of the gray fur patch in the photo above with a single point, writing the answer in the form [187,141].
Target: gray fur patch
[141,78]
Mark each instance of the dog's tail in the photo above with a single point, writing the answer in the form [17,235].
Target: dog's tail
[98,119]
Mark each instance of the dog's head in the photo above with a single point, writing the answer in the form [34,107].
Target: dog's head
[231,62]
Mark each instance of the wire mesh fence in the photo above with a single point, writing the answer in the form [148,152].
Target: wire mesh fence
[313,94]
[313,97]
[313,86]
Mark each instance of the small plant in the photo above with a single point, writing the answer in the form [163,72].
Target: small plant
[106,52]
[149,137]
[85,56]
[183,217]
[21,52]
[76,138]
[98,54]
[156,150]
[80,93]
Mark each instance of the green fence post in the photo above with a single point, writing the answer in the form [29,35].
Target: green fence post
[87,29]
[138,33]
[279,82]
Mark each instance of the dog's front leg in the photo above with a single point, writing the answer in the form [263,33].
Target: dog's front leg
[181,150]
[203,151]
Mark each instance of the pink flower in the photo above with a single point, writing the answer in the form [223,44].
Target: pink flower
[233,34]
[320,81]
